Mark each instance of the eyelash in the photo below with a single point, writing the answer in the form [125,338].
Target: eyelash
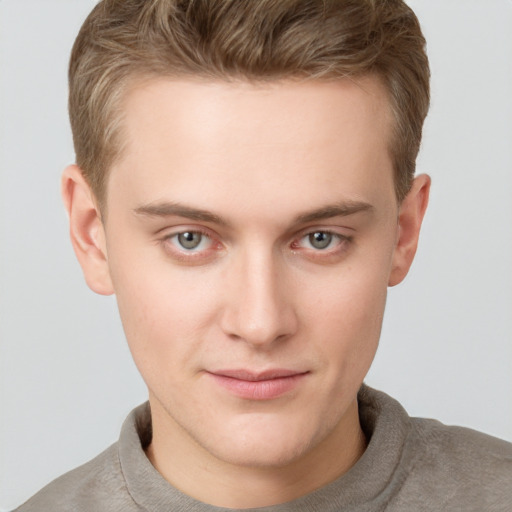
[182,254]
[189,255]
[340,245]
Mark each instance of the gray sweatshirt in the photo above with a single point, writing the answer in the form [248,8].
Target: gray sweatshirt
[410,465]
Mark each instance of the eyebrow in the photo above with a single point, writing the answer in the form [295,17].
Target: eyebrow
[168,209]
[341,209]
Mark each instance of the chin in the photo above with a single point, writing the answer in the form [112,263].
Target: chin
[265,455]
[266,442]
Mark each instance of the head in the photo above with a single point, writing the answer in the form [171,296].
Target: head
[244,186]
[125,42]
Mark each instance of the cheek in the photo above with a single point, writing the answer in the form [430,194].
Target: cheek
[164,314]
[348,317]
[356,314]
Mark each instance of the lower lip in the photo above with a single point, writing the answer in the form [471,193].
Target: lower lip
[259,390]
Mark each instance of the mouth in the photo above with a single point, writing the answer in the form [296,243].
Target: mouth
[265,385]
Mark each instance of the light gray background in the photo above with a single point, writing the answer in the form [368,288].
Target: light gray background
[66,377]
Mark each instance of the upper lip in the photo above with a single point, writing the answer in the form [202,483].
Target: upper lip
[255,376]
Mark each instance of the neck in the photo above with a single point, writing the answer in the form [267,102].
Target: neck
[197,473]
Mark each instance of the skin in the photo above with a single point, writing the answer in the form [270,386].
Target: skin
[254,171]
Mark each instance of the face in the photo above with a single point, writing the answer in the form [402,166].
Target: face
[250,235]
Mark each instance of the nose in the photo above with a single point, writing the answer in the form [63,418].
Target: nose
[258,306]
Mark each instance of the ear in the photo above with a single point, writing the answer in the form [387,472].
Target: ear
[411,213]
[86,230]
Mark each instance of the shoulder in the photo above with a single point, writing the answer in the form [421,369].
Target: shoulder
[460,442]
[456,466]
[97,485]
[460,447]
[436,467]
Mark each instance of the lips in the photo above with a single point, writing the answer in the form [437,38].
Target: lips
[265,385]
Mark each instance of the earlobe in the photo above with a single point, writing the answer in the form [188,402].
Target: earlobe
[412,211]
[86,230]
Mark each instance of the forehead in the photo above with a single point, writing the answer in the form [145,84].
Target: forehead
[197,105]
[213,140]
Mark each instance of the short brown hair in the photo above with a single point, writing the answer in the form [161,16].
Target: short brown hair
[255,40]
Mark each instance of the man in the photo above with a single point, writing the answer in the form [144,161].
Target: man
[245,186]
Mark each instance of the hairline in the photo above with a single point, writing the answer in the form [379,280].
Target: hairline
[139,78]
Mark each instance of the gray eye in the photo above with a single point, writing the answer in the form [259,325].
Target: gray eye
[190,239]
[320,239]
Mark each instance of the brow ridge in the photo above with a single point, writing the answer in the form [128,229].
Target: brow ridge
[341,209]
[167,209]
